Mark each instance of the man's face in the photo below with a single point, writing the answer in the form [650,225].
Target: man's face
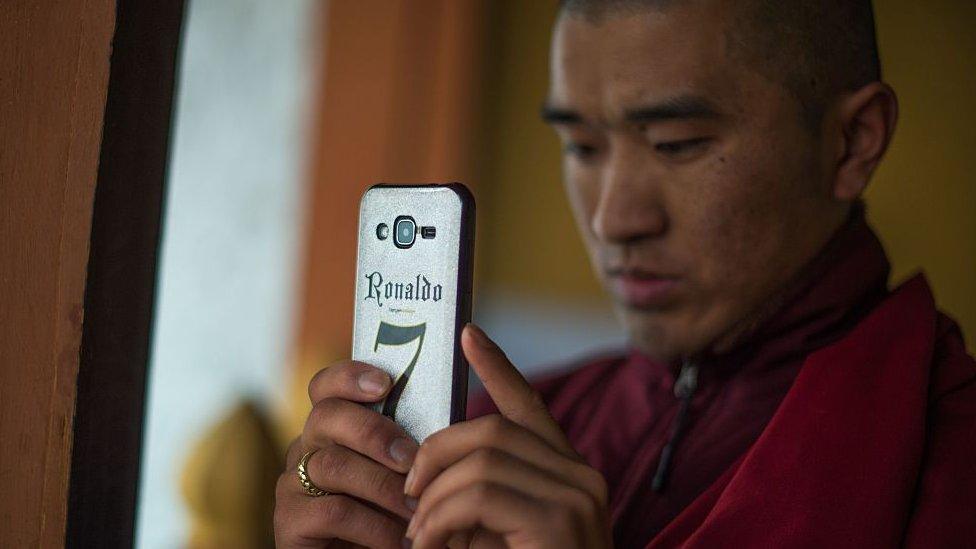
[697,189]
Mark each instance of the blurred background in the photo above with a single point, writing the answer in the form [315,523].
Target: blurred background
[287,111]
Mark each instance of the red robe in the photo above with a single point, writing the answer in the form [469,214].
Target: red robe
[847,419]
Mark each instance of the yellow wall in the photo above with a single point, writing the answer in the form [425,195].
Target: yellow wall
[923,201]
[527,240]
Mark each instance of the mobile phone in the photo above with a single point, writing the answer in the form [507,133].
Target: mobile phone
[413,298]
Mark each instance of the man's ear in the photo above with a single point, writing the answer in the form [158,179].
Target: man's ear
[867,120]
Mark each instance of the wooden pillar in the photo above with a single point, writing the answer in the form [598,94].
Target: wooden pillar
[397,103]
[54,69]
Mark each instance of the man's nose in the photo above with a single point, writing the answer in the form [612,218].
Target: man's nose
[630,205]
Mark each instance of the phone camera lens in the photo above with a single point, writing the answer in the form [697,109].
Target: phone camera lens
[382,231]
[404,231]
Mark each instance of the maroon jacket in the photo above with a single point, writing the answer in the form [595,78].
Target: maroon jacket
[847,419]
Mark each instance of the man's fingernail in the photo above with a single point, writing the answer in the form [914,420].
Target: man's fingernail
[411,503]
[412,527]
[373,382]
[408,484]
[402,450]
[480,338]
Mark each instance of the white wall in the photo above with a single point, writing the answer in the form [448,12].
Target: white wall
[231,233]
[542,336]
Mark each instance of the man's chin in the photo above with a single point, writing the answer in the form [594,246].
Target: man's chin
[663,336]
[653,337]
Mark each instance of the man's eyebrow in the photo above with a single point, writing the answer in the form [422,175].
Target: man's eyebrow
[556,115]
[681,107]
[676,108]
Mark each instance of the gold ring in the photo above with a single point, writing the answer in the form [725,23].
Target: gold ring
[310,488]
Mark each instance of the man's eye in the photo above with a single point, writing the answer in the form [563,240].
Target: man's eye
[579,150]
[674,148]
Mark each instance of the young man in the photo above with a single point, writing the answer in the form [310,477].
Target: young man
[777,394]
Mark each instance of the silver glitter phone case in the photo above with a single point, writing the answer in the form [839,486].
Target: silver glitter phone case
[413,297]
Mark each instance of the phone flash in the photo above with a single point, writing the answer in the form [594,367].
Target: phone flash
[428,232]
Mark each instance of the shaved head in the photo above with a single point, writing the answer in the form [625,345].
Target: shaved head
[816,48]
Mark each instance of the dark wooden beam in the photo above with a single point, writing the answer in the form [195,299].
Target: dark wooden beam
[120,288]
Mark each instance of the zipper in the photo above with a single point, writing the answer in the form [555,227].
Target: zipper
[684,390]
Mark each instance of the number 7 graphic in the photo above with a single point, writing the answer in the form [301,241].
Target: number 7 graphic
[391,334]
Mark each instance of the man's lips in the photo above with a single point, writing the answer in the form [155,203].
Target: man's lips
[643,290]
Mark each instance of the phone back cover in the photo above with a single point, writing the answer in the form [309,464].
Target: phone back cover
[410,304]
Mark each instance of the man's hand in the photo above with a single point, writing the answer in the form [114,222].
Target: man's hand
[511,478]
[360,458]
